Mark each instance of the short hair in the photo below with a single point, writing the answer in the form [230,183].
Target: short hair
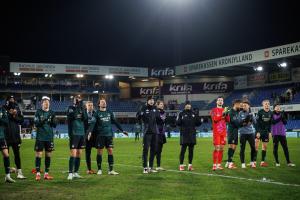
[265,101]
[158,102]
[247,102]
[220,97]
[101,98]
[236,101]
[87,102]
[149,98]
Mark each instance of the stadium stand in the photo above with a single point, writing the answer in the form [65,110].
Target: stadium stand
[62,88]
[114,106]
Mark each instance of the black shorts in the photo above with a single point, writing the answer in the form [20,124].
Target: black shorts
[233,138]
[104,141]
[41,145]
[77,142]
[264,137]
[3,144]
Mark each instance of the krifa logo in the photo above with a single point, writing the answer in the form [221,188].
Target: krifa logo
[215,86]
[149,91]
[180,88]
[162,72]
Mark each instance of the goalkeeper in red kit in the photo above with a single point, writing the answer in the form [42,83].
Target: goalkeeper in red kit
[219,117]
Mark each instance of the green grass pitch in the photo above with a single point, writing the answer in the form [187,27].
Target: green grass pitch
[203,183]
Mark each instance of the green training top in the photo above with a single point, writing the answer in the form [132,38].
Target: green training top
[264,121]
[44,121]
[233,125]
[77,117]
[104,121]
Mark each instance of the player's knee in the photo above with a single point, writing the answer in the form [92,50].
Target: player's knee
[264,147]
[48,153]
[78,153]
[39,154]
[99,151]
[73,152]
[110,151]
[5,153]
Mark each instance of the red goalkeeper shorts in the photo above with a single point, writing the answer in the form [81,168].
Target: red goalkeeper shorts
[219,139]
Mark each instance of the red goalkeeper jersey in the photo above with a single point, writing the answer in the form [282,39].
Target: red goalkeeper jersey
[219,121]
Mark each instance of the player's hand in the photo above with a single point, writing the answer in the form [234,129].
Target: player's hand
[257,135]
[11,111]
[125,133]
[15,112]
[89,136]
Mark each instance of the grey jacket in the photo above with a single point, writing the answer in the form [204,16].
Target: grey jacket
[247,121]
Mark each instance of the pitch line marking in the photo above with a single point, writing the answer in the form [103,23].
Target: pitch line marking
[215,175]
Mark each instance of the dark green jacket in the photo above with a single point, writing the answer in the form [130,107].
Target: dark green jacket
[104,121]
[3,122]
[233,125]
[77,118]
[264,122]
[44,121]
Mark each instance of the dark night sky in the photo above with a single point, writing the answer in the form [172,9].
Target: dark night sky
[142,32]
